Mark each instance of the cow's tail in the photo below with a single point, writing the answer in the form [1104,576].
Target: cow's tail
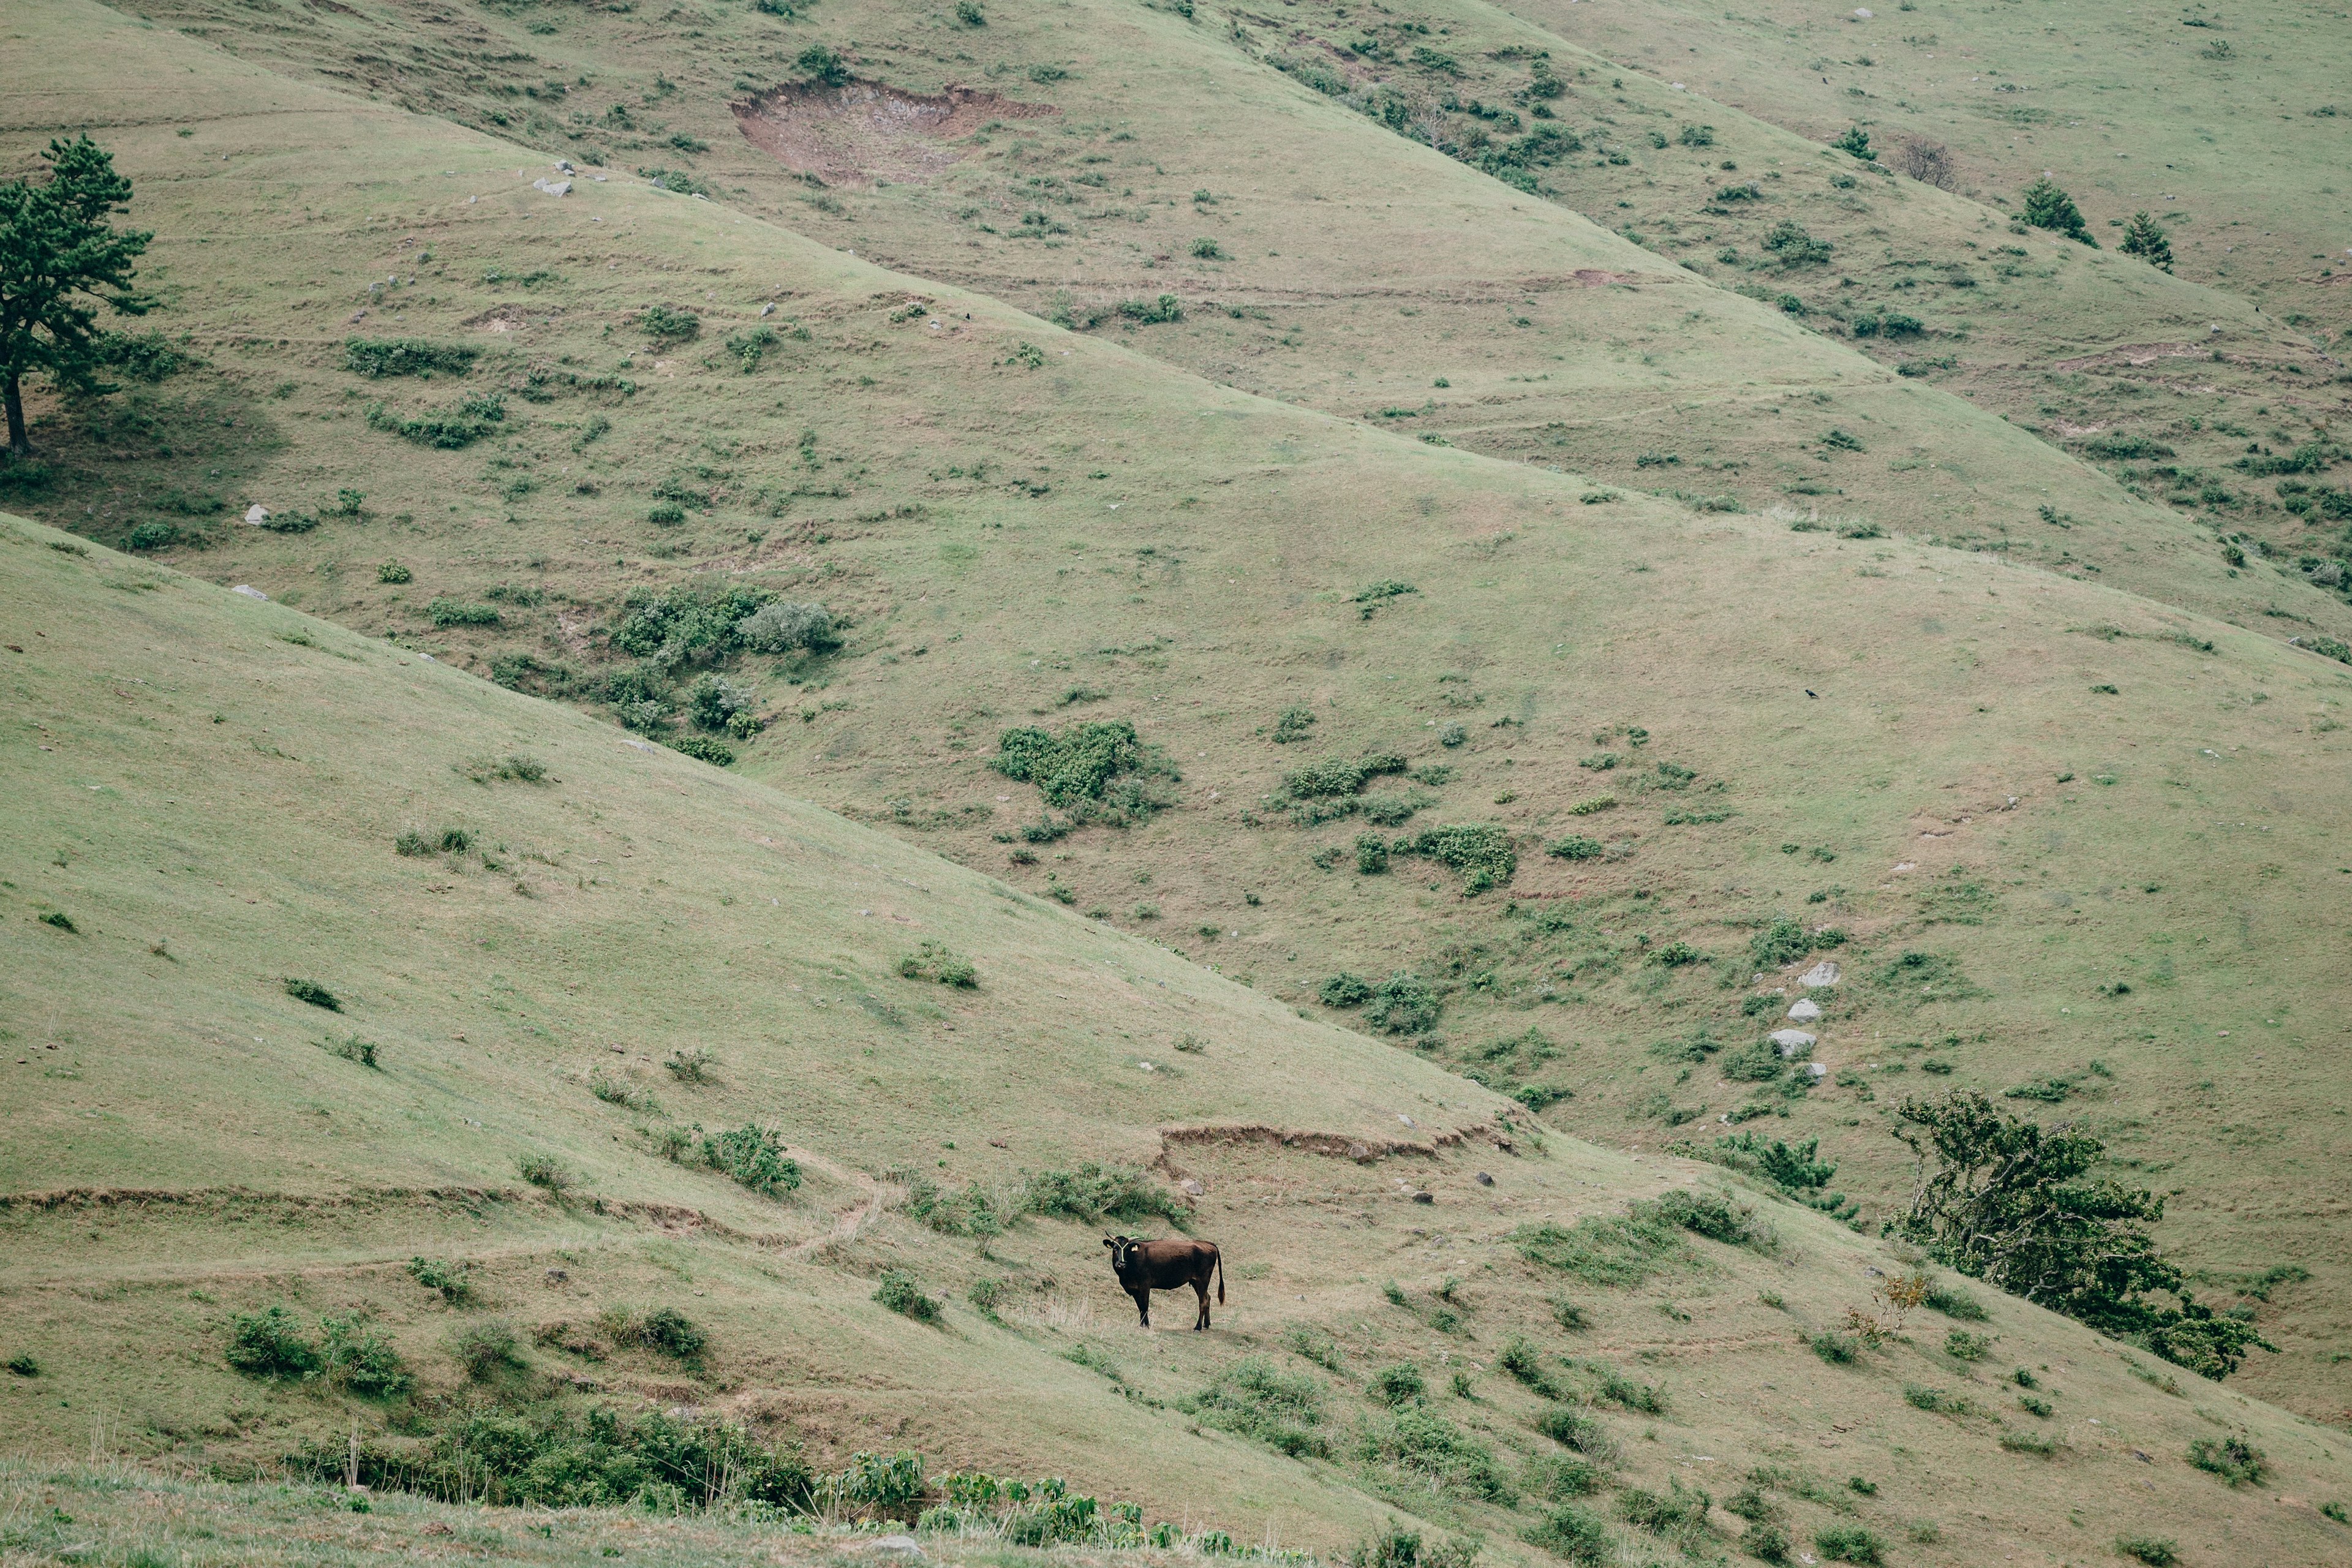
[1221,1277]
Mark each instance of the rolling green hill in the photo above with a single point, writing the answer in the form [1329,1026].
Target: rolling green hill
[1320,756]
[209,804]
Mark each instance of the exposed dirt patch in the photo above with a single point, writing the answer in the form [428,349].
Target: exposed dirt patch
[865,131]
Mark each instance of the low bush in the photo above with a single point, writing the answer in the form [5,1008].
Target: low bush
[1557,1478]
[22,1365]
[1573,1534]
[1399,1385]
[2234,1460]
[1091,1190]
[1711,1215]
[779,627]
[1257,1400]
[1837,1350]
[1425,1445]
[361,1359]
[1577,846]
[1481,853]
[1097,772]
[1679,1514]
[311,990]
[1600,1249]
[484,1350]
[545,1171]
[445,612]
[666,325]
[754,1156]
[376,357]
[448,429]
[2156,1551]
[1849,1543]
[393,572]
[440,1274]
[934,960]
[1962,1345]
[690,1063]
[270,1343]
[1954,1301]
[2034,1443]
[1402,1005]
[899,1293]
[1520,1358]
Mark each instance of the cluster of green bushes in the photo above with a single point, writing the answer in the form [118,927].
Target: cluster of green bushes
[1097,772]
[1404,1004]
[377,357]
[272,1344]
[476,417]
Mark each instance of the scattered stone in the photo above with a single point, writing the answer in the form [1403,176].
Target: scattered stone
[256,514]
[563,166]
[250,592]
[1484,1180]
[996,1142]
[898,1546]
[1191,1188]
[1791,1041]
[1359,1152]
[552,187]
[1804,1012]
[768,310]
[1408,1120]
[1820,974]
[1818,1071]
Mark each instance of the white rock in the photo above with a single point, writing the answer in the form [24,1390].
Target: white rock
[256,514]
[1791,1041]
[1804,1012]
[1862,12]
[552,187]
[1406,1120]
[1191,1189]
[249,590]
[1824,974]
[1817,1069]
[898,1546]
[768,310]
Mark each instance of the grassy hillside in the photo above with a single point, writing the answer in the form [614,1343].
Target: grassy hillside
[1363,266]
[1911,746]
[2227,127]
[209,789]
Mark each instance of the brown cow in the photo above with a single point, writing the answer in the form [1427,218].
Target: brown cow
[1143,1267]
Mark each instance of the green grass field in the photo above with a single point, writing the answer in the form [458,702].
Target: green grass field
[1696,633]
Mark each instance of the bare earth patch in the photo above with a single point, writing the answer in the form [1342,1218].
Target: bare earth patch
[865,131]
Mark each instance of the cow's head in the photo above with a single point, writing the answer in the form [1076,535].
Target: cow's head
[1121,1248]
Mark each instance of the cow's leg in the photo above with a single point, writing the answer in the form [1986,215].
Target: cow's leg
[1142,1306]
[1201,1288]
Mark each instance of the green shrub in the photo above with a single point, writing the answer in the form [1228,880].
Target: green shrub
[1338,776]
[375,357]
[665,1329]
[1315,1344]
[361,1359]
[1572,1429]
[1097,772]
[1483,854]
[1257,1400]
[781,628]
[1849,1543]
[62,920]
[1837,1350]
[1962,1345]
[1598,1248]
[1577,846]
[703,749]
[1402,1005]
[1421,1444]
[22,1364]
[1708,1214]
[152,536]
[311,990]
[440,1274]
[1520,1358]
[1208,250]
[545,1171]
[1371,855]
[1091,1190]
[1559,1478]
[666,325]
[1680,1515]
[970,14]
[1954,1301]
[2156,1551]
[484,1350]
[666,514]
[934,960]
[270,1343]
[1573,1534]
[1345,990]
[447,611]
[1856,142]
[1399,1385]
[393,572]
[900,1294]
[1765,1542]
[1292,725]
[754,1156]
[447,430]
[1150,312]
[2234,1460]
[1793,247]
[2144,238]
[2032,1443]
[1781,942]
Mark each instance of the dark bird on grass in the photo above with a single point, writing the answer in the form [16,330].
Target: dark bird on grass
[1810,693]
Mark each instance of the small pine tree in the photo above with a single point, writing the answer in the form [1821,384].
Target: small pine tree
[1856,142]
[2047,207]
[58,250]
[2144,239]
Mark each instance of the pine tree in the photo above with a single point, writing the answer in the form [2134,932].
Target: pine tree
[57,250]
[2047,207]
[1856,140]
[2144,239]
